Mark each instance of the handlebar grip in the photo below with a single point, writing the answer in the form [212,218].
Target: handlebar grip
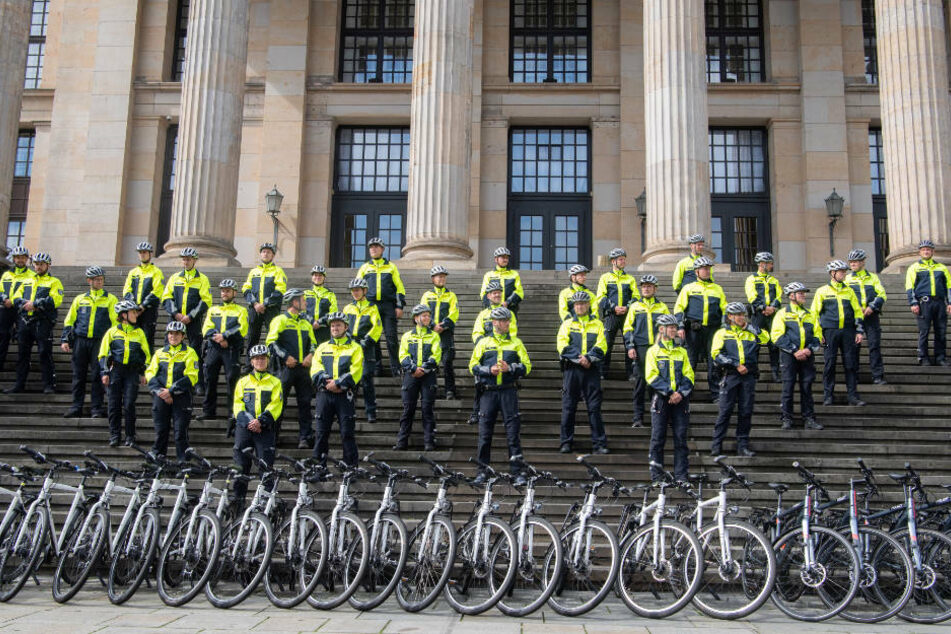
[33,453]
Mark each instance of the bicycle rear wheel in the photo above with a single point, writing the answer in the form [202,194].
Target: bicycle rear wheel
[737,585]
[133,557]
[428,565]
[82,552]
[931,600]
[347,556]
[533,584]
[385,563]
[23,546]
[186,562]
[823,589]
[657,590]
[246,549]
[590,568]
[296,567]
[484,567]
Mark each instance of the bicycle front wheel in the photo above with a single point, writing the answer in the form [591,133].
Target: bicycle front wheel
[81,553]
[246,549]
[187,560]
[888,578]
[484,567]
[739,570]
[590,568]
[533,582]
[23,545]
[347,555]
[818,590]
[931,600]
[133,557]
[428,564]
[296,567]
[387,557]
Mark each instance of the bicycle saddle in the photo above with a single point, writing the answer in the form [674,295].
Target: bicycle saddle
[778,487]
[699,477]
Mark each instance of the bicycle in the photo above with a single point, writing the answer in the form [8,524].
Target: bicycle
[485,562]
[300,548]
[661,565]
[536,541]
[739,565]
[19,501]
[591,552]
[27,543]
[431,549]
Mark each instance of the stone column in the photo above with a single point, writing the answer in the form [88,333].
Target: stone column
[916,126]
[675,105]
[15,35]
[437,217]
[209,138]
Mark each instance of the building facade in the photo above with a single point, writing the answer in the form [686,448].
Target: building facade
[558,128]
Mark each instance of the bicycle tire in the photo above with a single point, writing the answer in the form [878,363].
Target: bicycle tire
[936,553]
[469,574]
[81,553]
[428,565]
[177,564]
[531,588]
[638,578]
[574,574]
[133,558]
[293,575]
[354,545]
[383,566]
[235,576]
[794,582]
[16,566]
[736,576]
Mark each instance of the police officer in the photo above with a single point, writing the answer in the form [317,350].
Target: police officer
[577,276]
[123,357]
[145,285]
[482,327]
[187,298]
[839,314]
[928,286]
[498,362]
[736,351]
[385,291]
[420,353]
[640,324]
[10,283]
[291,341]
[765,296]
[336,373]
[90,315]
[699,309]
[445,313]
[868,288]
[37,304]
[509,279]
[686,272]
[263,289]
[224,330]
[257,405]
[365,327]
[794,333]
[581,348]
[320,301]
[616,290]
[172,376]
[669,374]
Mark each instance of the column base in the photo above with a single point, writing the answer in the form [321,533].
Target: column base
[662,257]
[212,252]
[423,254]
[900,260]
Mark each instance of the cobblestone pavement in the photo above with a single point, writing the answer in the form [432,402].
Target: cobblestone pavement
[34,610]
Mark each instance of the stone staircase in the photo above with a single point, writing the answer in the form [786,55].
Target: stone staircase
[906,420]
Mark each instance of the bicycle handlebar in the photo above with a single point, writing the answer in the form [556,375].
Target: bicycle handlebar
[868,475]
[42,459]
[809,478]
[731,471]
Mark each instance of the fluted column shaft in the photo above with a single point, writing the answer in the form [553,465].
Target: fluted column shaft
[675,113]
[14,38]
[437,216]
[209,138]
[916,125]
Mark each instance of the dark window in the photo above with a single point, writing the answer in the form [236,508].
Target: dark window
[23,162]
[37,46]
[734,41]
[549,224]
[181,39]
[371,177]
[870,40]
[550,41]
[169,169]
[377,41]
[876,160]
[739,195]
[20,193]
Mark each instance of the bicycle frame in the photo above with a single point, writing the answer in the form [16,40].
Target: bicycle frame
[104,502]
[586,512]
[442,506]
[720,501]
[269,498]
[42,505]
[344,503]
[387,504]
